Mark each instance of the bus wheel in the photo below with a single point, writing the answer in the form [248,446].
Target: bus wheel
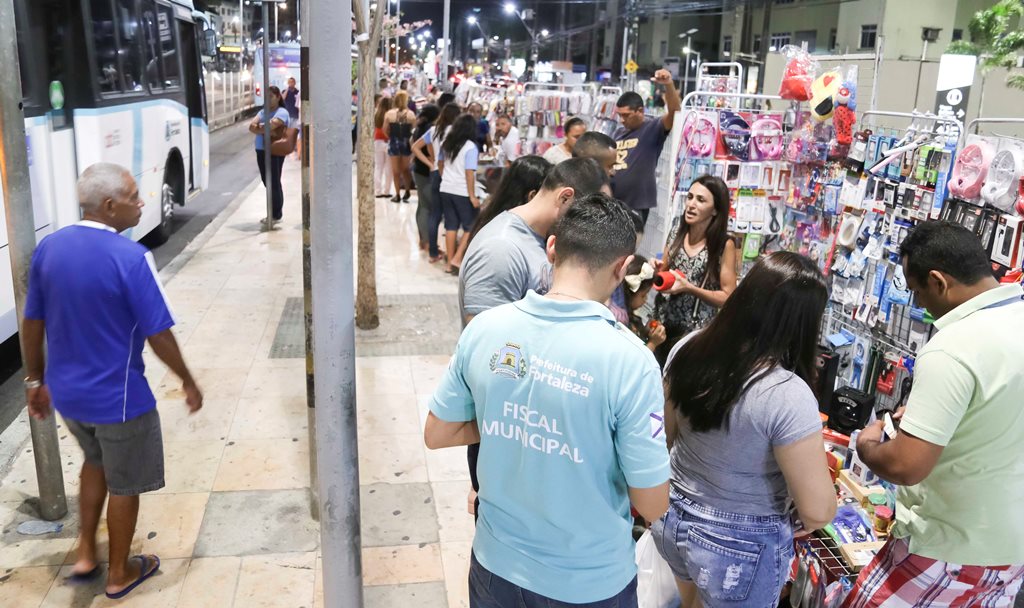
[171,194]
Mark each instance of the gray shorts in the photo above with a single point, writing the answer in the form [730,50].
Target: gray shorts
[131,453]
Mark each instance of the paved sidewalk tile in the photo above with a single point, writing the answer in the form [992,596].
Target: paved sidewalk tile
[257,522]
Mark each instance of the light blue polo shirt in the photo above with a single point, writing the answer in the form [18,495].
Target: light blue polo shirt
[100,298]
[569,405]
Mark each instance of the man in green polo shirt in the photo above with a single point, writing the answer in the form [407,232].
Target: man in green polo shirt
[959,454]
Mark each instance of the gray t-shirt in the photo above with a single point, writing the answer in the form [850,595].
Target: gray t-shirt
[505,260]
[639,149]
[735,470]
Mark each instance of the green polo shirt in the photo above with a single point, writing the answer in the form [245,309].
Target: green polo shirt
[968,396]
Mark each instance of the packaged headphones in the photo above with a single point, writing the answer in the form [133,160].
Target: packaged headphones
[735,132]
[971,169]
[766,139]
[1001,185]
[699,135]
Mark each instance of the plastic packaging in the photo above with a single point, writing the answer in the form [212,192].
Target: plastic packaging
[798,75]
[655,584]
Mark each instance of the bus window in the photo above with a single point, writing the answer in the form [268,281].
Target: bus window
[128,30]
[169,48]
[105,41]
[151,44]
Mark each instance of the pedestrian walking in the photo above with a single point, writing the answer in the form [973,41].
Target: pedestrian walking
[562,399]
[428,150]
[639,140]
[956,459]
[95,297]
[278,126]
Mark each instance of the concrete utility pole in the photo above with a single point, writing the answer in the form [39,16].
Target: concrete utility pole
[21,235]
[766,32]
[331,234]
[305,113]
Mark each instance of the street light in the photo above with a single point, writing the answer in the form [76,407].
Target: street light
[545,33]
[471,20]
[510,8]
[686,51]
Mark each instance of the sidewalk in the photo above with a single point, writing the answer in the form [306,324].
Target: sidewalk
[232,527]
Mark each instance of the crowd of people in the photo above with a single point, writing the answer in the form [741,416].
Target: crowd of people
[576,407]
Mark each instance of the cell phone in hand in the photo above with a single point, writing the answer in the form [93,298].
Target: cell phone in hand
[890,426]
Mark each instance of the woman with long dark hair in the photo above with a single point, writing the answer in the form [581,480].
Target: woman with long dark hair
[278,117]
[428,150]
[703,258]
[742,425]
[520,183]
[421,175]
[458,186]
[381,164]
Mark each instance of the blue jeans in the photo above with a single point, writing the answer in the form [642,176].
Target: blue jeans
[734,559]
[488,590]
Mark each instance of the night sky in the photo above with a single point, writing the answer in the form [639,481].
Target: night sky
[491,15]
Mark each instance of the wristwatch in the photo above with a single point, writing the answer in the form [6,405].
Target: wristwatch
[31,384]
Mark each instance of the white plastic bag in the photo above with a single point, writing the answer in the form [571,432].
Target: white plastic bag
[656,585]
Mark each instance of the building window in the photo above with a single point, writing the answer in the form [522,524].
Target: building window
[784,1]
[727,45]
[832,38]
[778,41]
[958,34]
[642,52]
[664,49]
[868,36]
[757,43]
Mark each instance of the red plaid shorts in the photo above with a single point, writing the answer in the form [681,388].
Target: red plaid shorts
[896,578]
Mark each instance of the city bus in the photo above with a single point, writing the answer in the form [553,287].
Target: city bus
[284,64]
[110,80]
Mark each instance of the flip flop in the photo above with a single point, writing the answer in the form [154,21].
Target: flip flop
[143,575]
[81,578]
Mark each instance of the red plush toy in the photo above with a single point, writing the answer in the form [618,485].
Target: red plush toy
[844,117]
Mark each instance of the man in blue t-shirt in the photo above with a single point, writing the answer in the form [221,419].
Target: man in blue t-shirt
[639,141]
[567,406]
[96,299]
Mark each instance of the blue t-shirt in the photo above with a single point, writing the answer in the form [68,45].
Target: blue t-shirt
[280,114]
[100,297]
[569,405]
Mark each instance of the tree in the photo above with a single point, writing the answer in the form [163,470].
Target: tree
[996,38]
[368,29]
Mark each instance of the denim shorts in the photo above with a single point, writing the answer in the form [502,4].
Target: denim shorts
[458,212]
[734,559]
[131,453]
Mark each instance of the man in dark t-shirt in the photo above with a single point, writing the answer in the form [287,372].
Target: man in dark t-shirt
[639,141]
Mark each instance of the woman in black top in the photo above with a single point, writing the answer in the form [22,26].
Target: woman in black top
[703,258]
[398,125]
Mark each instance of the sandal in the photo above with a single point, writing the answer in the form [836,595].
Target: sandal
[143,575]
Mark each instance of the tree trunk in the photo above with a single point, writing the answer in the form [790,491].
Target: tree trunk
[367,313]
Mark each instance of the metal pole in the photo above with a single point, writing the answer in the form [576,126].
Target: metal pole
[21,236]
[387,39]
[331,236]
[268,171]
[686,88]
[305,114]
[447,43]
[277,33]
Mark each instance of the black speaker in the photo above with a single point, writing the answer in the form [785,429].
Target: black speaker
[851,409]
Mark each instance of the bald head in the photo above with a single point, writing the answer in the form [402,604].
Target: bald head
[101,182]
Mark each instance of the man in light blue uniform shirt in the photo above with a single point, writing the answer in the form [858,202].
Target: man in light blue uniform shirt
[567,406]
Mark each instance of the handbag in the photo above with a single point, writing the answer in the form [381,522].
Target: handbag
[284,145]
